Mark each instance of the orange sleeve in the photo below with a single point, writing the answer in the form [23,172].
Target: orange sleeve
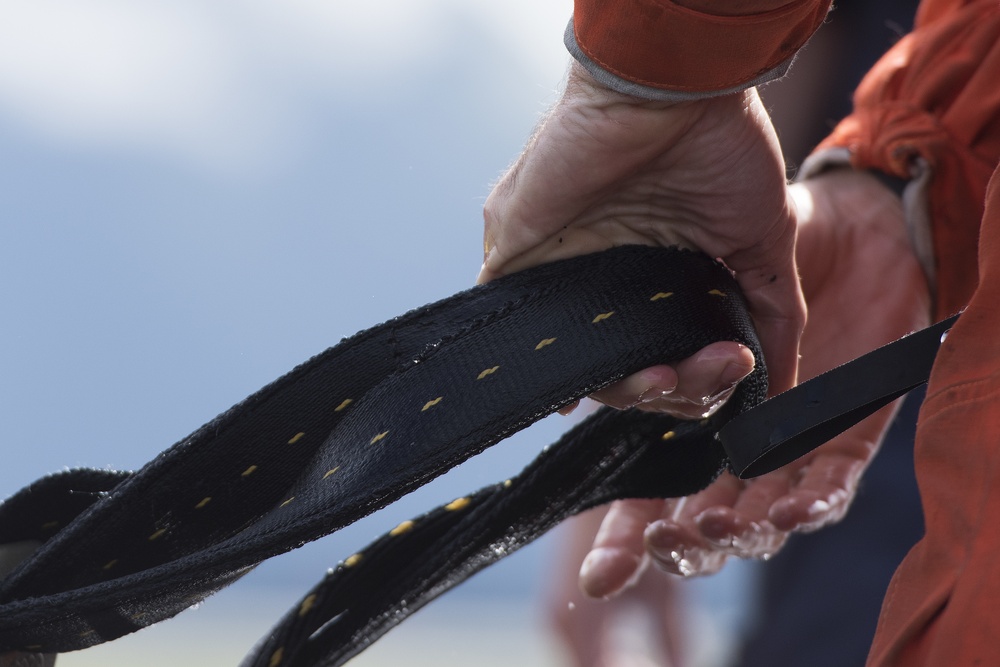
[933,101]
[662,45]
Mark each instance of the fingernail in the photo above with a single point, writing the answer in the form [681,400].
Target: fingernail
[733,373]
[663,545]
[601,572]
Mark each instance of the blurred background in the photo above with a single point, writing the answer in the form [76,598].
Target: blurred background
[195,197]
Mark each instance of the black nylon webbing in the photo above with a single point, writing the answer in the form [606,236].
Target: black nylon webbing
[365,422]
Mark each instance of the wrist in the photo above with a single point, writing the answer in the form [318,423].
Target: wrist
[854,197]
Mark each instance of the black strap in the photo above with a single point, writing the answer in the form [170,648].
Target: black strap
[354,429]
[794,423]
[365,422]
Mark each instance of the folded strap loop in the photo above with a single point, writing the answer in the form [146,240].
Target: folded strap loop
[381,414]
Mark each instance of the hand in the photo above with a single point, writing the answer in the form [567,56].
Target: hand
[606,169]
[864,288]
[590,630]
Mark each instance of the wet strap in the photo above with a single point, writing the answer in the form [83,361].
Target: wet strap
[358,426]
[367,421]
[794,423]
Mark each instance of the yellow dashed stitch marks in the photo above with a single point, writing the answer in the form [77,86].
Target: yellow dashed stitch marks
[276,658]
[545,342]
[404,527]
[157,535]
[110,564]
[249,471]
[487,372]
[669,435]
[430,404]
[457,504]
[602,317]
[353,560]
[287,502]
[50,525]
[661,295]
[307,604]
[204,501]
[343,404]
[296,438]
[331,471]
[379,437]
[715,292]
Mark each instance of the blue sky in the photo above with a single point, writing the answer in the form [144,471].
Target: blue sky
[194,198]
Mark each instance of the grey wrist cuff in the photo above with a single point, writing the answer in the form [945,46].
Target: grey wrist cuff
[626,87]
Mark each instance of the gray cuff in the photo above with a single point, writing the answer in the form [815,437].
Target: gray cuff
[626,87]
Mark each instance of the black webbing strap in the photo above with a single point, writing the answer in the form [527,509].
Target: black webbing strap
[354,429]
[794,423]
[363,423]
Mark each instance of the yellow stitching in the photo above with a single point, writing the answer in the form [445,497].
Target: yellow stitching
[353,560]
[249,471]
[715,292]
[430,404]
[204,501]
[157,535]
[544,342]
[457,504]
[488,371]
[276,658]
[110,564]
[331,471]
[287,501]
[296,438]
[602,317]
[343,404]
[378,437]
[661,295]
[404,527]
[49,525]
[668,435]
[307,604]
[34,647]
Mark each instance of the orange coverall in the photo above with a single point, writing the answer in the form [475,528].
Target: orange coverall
[929,110]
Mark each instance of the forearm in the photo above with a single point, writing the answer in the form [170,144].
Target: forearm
[676,51]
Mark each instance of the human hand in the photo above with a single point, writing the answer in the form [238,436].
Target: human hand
[605,169]
[590,630]
[864,288]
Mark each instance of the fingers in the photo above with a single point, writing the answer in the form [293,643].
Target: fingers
[691,389]
[778,308]
[618,553]
[826,487]
[727,519]
[676,543]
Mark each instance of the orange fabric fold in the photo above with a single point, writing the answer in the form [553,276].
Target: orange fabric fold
[934,99]
[660,44]
[940,608]
[936,95]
